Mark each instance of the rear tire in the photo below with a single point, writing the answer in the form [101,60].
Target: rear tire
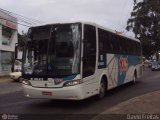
[20,79]
[135,77]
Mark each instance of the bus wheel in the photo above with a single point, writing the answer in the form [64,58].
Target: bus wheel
[134,77]
[20,79]
[102,89]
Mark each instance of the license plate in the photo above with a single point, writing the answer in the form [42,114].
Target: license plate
[45,93]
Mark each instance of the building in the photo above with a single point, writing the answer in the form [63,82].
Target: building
[8,38]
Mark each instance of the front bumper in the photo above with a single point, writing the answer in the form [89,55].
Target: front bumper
[70,93]
[14,77]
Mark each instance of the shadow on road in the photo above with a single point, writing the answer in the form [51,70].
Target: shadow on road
[81,103]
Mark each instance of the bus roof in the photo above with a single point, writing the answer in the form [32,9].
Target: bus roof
[94,24]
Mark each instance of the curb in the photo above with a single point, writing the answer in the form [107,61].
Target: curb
[147,103]
[5,80]
[143,104]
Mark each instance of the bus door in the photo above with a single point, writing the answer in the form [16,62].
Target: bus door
[89,58]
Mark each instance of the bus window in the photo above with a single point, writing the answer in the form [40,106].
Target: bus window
[128,47]
[103,40]
[113,43]
[125,46]
[109,46]
[134,48]
[121,45]
[118,48]
[89,50]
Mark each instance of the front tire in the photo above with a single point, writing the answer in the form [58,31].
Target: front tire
[102,89]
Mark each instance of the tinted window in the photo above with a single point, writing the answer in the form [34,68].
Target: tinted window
[112,43]
[89,50]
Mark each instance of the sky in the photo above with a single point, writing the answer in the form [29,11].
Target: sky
[111,14]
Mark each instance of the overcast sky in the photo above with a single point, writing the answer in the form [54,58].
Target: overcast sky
[112,14]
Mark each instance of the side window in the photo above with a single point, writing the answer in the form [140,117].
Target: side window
[117,45]
[89,50]
[103,40]
[135,48]
[139,48]
[125,47]
[122,45]
[132,47]
[109,44]
[113,43]
[129,44]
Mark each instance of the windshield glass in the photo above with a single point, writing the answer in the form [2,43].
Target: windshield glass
[53,50]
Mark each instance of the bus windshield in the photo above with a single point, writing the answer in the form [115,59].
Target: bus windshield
[53,50]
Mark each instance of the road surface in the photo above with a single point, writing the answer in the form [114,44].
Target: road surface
[16,103]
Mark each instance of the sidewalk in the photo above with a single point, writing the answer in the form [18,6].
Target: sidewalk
[5,79]
[145,104]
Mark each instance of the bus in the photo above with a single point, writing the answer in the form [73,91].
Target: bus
[74,61]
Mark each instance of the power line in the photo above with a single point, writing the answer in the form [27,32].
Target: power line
[20,16]
[14,22]
[23,19]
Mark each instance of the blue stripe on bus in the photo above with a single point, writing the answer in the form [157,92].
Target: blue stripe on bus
[132,61]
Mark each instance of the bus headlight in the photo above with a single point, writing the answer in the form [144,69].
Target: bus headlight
[71,83]
[26,82]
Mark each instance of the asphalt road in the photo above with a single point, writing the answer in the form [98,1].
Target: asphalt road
[16,103]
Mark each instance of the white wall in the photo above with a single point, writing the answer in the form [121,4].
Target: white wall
[11,24]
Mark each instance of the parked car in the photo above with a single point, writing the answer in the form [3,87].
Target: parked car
[155,66]
[16,76]
[150,63]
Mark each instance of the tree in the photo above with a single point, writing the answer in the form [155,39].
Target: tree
[21,39]
[145,23]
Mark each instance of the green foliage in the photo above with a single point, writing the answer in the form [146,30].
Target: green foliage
[145,23]
[21,40]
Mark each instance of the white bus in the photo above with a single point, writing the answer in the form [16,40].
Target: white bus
[77,60]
